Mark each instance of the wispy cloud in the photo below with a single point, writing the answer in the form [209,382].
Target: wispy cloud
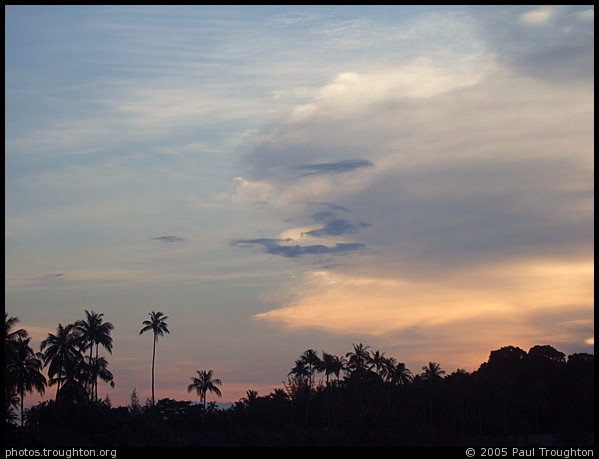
[338,167]
[169,239]
[477,176]
[285,248]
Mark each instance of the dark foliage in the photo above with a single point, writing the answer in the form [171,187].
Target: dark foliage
[516,398]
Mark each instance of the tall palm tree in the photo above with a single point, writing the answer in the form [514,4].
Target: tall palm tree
[310,358]
[26,371]
[359,359]
[378,361]
[159,327]
[329,364]
[92,331]
[11,352]
[59,350]
[205,383]
[358,365]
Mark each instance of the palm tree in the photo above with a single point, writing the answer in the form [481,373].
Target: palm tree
[11,337]
[98,368]
[378,361]
[359,360]
[159,327]
[61,350]
[205,383]
[72,379]
[10,403]
[358,365]
[433,372]
[310,358]
[300,371]
[92,331]
[248,400]
[11,352]
[26,371]
[401,374]
[330,364]
[387,368]
[279,396]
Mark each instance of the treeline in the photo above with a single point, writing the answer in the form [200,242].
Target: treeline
[362,398]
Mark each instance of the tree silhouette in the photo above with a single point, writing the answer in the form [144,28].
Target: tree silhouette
[433,372]
[159,327]
[400,374]
[330,365]
[300,372]
[10,404]
[12,339]
[378,362]
[359,360]
[73,378]
[515,395]
[311,359]
[98,368]
[92,331]
[206,383]
[61,350]
[26,371]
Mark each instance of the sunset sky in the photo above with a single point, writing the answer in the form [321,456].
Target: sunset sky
[279,178]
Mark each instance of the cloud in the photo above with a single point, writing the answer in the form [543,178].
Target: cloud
[374,305]
[552,43]
[334,225]
[499,169]
[538,17]
[336,167]
[48,277]
[279,247]
[479,209]
[169,239]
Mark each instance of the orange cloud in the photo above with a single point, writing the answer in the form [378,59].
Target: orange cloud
[345,304]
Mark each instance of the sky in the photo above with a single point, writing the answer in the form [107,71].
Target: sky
[419,179]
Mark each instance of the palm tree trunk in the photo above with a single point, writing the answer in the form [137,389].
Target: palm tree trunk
[153,359]
[22,397]
[96,376]
[91,381]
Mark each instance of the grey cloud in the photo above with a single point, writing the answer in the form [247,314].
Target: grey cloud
[275,247]
[168,239]
[321,216]
[559,50]
[49,277]
[446,218]
[496,171]
[335,227]
[337,167]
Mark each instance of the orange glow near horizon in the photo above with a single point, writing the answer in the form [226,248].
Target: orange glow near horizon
[467,315]
[376,306]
